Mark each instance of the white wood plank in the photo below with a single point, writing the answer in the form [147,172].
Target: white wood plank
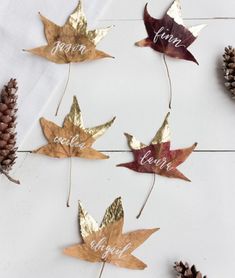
[190,9]
[196,219]
[134,87]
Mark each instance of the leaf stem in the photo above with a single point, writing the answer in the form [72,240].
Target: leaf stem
[169,79]
[102,269]
[65,88]
[9,177]
[146,200]
[70,183]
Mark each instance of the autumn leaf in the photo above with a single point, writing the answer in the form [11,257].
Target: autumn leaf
[169,35]
[106,243]
[157,157]
[72,42]
[73,139]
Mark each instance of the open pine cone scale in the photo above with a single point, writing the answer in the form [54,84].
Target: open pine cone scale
[185,271]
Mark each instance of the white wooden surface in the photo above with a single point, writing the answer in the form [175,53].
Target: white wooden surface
[196,219]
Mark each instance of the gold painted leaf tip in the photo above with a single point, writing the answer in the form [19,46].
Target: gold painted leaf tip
[81,207]
[113,213]
[163,134]
[113,119]
[168,115]
[118,202]
[118,199]
[195,30]
[133,143]
[127,134]
[75,100]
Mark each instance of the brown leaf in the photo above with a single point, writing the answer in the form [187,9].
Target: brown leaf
[157,157]
[106,243]
[72,42]
[73,139]
[169,35]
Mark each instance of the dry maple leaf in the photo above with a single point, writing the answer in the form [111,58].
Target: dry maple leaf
[106,243]
[157,157]
[73,139]
[72,42]
[169,35]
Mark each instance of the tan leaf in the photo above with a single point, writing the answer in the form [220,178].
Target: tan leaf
[72,42]
[107,243]
[130,262]
[72,139]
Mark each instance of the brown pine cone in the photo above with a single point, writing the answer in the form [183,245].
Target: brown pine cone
[184,271]
[8,101]
[229,69]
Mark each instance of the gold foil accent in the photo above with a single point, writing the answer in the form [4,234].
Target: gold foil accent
[98,34]
[75,115]
[79,22]
[175,13]
[87,224]
[78,19]
[134,143]
[195,30]
[163,134]
[113,213]
[98,131]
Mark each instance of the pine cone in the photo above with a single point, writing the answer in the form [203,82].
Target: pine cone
[229,69]
[184,271]
[8,99]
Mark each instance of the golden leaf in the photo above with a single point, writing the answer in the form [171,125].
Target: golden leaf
[73,139]
[72,42]
[107,243]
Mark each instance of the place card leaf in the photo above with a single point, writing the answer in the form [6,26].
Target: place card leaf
[72,139]
[106,243]
[72,42]
[169,35]
[157,157]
